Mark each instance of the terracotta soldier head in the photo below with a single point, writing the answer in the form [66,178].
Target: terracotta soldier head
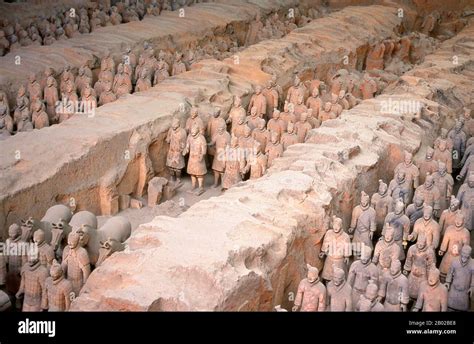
[427,213]
[442,146]
[38,237]
[304,117]
[465,254]
[470,180]
[315,92]
[382,188]
[194,112]
[338,276]
[421,242]
[429,153]
[327,106]
[364,199]
[313,274]
[290,127]
[366,254]
[454,204]
[73,240]
[276,114]
[14,231]
[274,137]
[433,277]
[459,220]
[429,182]
[442,169]
[395,268]
[56,271]
[388,236]
[261,124]
[258,89]
[401,177]
[408,159]
[371,292]
[337,224]
[253,111]
[194,131]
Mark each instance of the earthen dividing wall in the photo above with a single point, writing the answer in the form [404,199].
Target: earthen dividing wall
[250,247]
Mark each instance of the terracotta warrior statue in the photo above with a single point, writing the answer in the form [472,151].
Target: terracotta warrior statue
[234,164]
[7,119]
[143,83]
[420,259]
[261,134]
[271,95]
[314,102]
[219,142]
[295,91]
[428,226]
[454,239]
[460,281]
[253,119]
[14,243]
[259,101]
[412,173]
[466,199]
[302,128]
[235,113]
[339,293]
[467,169]
[458,137]
[214,122]
[39,117]
[394,289]
[288,113]
[33,277]
[335,107]
[45,251]
[196,146]
[34,88]
[430,194]
[444,182]
[363,224]
[176,138]
[428,165]
[257,162]
[178,65]
[299,107]
[195,120]
[369,301]
[448,216]
[399,188]
[336,248]
[433,296]
[382,202]
[444,155]
[327,113]
[58,290]
[361,272]
[51,98]
[386,247]
[276,124]
[274,148]
[289,138]
[311,295]
[107,95]
[246,142]
[76,263]
[414,211]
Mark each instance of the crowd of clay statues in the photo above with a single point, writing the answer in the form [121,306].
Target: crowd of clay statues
[70,22]
[44,101]
[45,263]
[409,242]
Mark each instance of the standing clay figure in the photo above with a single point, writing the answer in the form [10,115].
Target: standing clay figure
[327,113]
[4,102]
[430,194]
[39,117]
[335,107]
[161,73]
[420,259]
[6,119]
[246,143]
[460,281]
[302,128]
[289,138]
[196,146]
[394,289]
[195,120]
[276,124]
[362,224]
[219,141]
[238,127]
[369,301]
[311,295]
[399,188]
[84,78]
[314,102]
[45,251]
[15,244]
[261,134]
[387,247]
[443,154]
[428,165]
[337,249]
[339,293]
[466,198]
[33,277]
[443,137]
[458,137]
[428,227]
[412,173]
[176,138]
[382,202]
[295,91]
[453,240]
[76,263]
[122,82]
[433,296]
[444,182]
[299,107]
[213,124]
[259,101]
[58,290]
[178,65]
[467,169]
[288,114]
[257,162]
[253,119]
[51,97]
[271,95]
[107,95]
[143,83]
[274,148]
[415,210]
[34,88]
[468,123]
[234,164]
[361,272]
[448,216]
[66,78]
[235,113]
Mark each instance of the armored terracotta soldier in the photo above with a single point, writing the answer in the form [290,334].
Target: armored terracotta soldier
[433,296]
[259,101]
[83,79]
[161,72]
[15,244]
[107,95]
[6,118]
[143,83]
[327,113]
[257,162]
[382,202]
[235,113]
[443,154]
[412,173]
[469,150]
[289,138]
[458,137]
[369,301]
[238,127]
[115,17]
[339,293]
[253,119]
[363,223]
[299,108]
[443,137]
[122,83]
[386,247]
[33,277]
[454,239]
[88,101]
[467,169]
[58,290]
[302,128]
[4,102]
[271,95]
[22,116]
[45,251]
[234,164]
[311,295]
[39,117]
[466,198]
[444,182]
[428,226]
[276,124]
[261,134]
[361,272]
[195,120]
[4,133]
[394,289]
[22,97]
[176,138]
[428,165]
[295,91]
[448,216]
[342,100]
[220,140]
[399,187]
[288,114]
[468,123]
[246,142]
[430,194]
[274,148]
[34,88]
[178,65]
[196,146]
[51,98]
[420,259]
[76,263]
[335,107]
[460,281]
[368,87]
[66,79]
[414,211]
[336,248]
[314,102]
